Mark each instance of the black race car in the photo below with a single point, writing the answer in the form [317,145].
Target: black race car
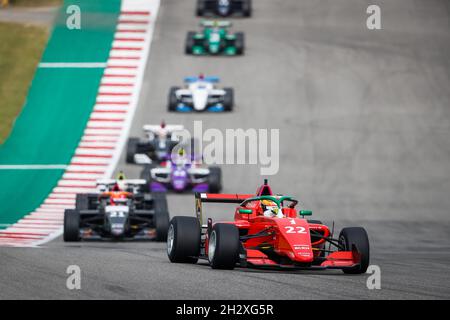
[156,147]
[224,8]
[120,210]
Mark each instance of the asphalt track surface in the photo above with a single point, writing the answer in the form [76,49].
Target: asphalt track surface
[364,124]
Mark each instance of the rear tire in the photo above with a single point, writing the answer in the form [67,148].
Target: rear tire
[228,100]
[239,43]
[200,8]
[82,201]
[356,236]
[131,149]
[223,247]
[215,180]
[247,8]
[147,176]
[183,240]
[173,100]
[161,216]
[190,41]
[71,225]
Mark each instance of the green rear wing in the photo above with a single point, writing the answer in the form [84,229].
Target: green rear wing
[215,23]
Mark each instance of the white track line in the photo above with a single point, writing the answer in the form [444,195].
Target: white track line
[34,167]
[72,65]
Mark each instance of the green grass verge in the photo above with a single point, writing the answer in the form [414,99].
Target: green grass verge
[35,3]
[21,49]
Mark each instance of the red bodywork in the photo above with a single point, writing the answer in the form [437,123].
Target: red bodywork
[284,242]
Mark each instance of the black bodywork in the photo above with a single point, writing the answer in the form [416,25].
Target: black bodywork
[157,150]
[224,8]
[146,218]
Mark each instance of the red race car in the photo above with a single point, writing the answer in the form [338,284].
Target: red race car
[267,231]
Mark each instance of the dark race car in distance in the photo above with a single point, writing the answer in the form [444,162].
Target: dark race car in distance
[224,8]
[155,147]
[121,210]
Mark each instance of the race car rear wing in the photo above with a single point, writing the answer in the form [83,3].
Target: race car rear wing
[215,23]
[106,184]
[217,198]
[168,127]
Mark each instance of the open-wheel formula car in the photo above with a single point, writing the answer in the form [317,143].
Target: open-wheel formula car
[200,94]
[224,8]
[183,174]
[156,147]
[267,232]
[119,211]
[215,39]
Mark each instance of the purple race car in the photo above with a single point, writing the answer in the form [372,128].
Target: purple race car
[183,175]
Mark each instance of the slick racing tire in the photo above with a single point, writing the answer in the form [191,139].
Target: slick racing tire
[247,8]
[173,100]
[147,176]
[239,43]
[86,201]
[183,240]
[71,225]
[356,236]
[200,8]
[132,147]
[215,180]
[228,99]
[82,201]
[223,246]
[190,41]
[161,216]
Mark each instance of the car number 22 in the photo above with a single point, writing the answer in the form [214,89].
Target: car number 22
[290,229]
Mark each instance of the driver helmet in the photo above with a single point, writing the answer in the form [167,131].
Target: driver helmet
[120,183]
[269,205]
[181,158]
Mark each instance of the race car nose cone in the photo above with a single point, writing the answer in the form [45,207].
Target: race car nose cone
[117,229]
[178,185]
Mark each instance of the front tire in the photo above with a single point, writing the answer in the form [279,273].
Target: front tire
[190,41]
[223,246]
[173,100]
[239,43]
[228,100]
[71,225]
[215,180]
[356,236]
[183,240]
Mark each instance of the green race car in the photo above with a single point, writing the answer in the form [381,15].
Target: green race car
[215,40]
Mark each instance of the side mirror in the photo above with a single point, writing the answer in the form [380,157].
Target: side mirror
[305,212]
[245,211]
